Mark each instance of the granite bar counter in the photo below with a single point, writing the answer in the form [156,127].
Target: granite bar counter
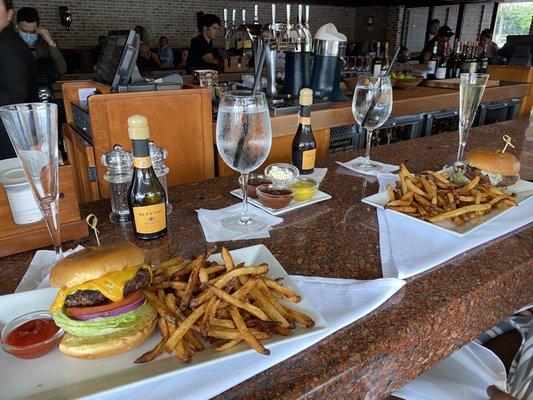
[434,315]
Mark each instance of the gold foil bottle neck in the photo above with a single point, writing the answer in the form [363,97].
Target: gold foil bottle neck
[306,97]
[138,127]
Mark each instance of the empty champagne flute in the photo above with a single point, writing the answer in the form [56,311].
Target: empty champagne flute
[471,91]
[371,107]
[32,129]
[244,138]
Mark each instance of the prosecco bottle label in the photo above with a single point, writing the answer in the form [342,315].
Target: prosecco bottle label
[150,219]
[304,120]
[308,159]
[142,162]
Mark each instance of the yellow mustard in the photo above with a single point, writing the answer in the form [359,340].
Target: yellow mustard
[304,190]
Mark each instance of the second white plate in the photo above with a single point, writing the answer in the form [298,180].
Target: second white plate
[293,205]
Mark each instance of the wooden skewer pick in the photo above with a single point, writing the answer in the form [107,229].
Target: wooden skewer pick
[92,221]
[507,139]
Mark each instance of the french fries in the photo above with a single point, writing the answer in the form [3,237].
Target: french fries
[433,197]
[222,304]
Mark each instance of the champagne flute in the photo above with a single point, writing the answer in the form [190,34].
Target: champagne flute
[471,91]
[371,107]
[32,129]
[244,138]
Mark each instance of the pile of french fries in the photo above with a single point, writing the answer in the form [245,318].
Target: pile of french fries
[203,303]
[433,197]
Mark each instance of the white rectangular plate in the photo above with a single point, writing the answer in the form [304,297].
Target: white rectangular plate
[523,190]
[293,205]
[60,377]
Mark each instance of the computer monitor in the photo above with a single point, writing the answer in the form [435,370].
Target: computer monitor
[118,58]
[518,50]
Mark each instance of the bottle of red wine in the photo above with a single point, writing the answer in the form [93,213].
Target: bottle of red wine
[442,64]
[147,199]
[304,143]
[377,62]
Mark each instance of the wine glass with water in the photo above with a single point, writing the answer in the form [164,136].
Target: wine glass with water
[471,91]
[371,107]
[32,129]
[244,138]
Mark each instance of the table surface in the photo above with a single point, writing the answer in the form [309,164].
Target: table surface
[431,317]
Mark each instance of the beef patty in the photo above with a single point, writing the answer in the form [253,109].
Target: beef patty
[507,180]
[94,297]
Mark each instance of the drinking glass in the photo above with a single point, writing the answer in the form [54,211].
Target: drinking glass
[371,107]
[32,129]
[471,91]
[244,138]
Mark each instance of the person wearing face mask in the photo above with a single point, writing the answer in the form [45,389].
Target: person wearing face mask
[45,50]
[18,71]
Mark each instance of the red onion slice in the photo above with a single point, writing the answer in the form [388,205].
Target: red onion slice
[112,313]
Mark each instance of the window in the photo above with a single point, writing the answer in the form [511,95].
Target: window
[416,20]
[512,19]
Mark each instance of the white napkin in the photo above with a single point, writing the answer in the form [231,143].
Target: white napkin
[318,174]
[36,276]
[465,374]
[385,168]
[211,221]
[409,248]
[340,301]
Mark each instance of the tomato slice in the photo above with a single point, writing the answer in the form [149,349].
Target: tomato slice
[81,311]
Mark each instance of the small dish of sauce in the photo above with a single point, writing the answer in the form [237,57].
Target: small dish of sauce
[304,188]
[31,335]
[275,197]
[255,180]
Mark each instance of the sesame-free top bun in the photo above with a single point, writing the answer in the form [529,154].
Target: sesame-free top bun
[94,262]
[492,160]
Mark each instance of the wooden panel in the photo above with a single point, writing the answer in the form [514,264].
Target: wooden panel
[515,74]
[179,120]
[281,151]
[17,238]
[81,157]
[70,93]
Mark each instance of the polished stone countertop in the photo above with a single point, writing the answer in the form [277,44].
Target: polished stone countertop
[432,316]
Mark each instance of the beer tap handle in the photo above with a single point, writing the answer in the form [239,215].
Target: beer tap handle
[300,9]
[244,16]
[273,16]
[225,18]
[288,15]
[233,16]
[307,16]
[256,13]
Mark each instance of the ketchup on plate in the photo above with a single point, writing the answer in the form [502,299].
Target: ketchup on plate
[32,332]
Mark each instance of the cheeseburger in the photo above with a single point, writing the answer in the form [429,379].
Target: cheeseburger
[100,304]
[492,166]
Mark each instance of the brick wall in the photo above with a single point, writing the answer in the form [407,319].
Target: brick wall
[476,18]
[173,18]
[387,24]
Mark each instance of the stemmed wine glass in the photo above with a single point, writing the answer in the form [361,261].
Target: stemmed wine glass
[371,107]
[244,138]
[32,129]
[471,91]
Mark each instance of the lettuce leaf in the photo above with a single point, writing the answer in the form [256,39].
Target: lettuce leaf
[106,325]
[460,177]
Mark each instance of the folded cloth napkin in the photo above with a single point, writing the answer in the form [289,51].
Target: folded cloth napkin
[466,374]
[385,168]
[36,276]
[340,301]
[406,250]
[318,174]
[211,221]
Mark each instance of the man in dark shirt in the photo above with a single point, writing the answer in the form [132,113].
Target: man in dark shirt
[201,54]
[443,36]
[18,71]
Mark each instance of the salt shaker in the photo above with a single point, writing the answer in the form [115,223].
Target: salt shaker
[159,155]
[119,174]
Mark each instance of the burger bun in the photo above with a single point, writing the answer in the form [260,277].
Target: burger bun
[494,161]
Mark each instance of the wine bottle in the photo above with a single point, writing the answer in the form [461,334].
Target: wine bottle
[442,64]
[385,58]
[376,62]
[147,199]
[455,61]
[465,60]
[483,61]
[473,58]
[304,143]
[432,63]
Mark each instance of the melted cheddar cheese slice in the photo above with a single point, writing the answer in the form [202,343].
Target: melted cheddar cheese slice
[110,285]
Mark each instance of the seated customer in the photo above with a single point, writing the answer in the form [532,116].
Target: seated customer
[182,58]
[147,59]
[201,52]
[17,72]
[165,53]
[50,61]
[491,48]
